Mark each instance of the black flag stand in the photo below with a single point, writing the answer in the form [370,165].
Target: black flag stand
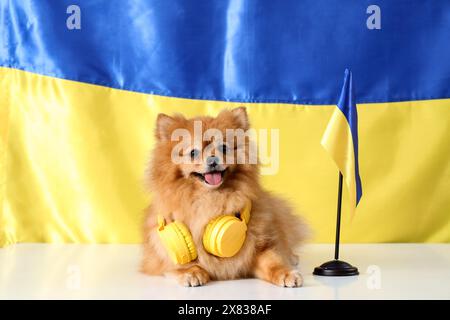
[337,267]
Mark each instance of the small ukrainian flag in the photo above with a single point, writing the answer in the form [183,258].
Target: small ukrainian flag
[340,140]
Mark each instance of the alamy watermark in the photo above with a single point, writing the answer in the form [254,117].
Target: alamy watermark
[235,146]
[373,22]
[73,21]
[73,279]
[374,277]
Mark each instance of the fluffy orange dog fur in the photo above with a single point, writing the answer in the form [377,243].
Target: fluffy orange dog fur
[178,194]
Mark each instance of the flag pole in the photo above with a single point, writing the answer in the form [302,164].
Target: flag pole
[336,267]
[338,219]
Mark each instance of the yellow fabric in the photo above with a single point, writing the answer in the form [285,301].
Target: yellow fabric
[338,141]
[73,157]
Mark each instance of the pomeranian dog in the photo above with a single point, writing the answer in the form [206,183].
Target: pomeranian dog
[195,192]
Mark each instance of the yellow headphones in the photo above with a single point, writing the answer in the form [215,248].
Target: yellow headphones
[223,236]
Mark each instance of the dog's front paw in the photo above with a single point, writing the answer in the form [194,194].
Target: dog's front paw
[288,278]
[192,277]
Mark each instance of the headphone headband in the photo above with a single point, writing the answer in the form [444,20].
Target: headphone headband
[245,213]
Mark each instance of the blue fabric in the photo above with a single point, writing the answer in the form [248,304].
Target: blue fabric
[256,50]
[347,104]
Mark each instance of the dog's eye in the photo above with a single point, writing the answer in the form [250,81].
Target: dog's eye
[194,153]
[223,148]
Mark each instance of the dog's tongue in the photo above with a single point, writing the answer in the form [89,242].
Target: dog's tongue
[213,178]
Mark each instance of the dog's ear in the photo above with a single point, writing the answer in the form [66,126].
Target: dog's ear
[240,117]
[163,124]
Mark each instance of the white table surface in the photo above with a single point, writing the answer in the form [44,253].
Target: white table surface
[72,271]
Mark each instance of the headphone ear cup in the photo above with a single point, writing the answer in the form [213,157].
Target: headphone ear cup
[208,240]
[224,236]
[178,242]
[187,237]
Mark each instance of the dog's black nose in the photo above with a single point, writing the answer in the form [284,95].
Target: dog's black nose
[212,161]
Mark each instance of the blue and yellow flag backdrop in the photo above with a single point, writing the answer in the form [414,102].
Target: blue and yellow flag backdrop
[81,84]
